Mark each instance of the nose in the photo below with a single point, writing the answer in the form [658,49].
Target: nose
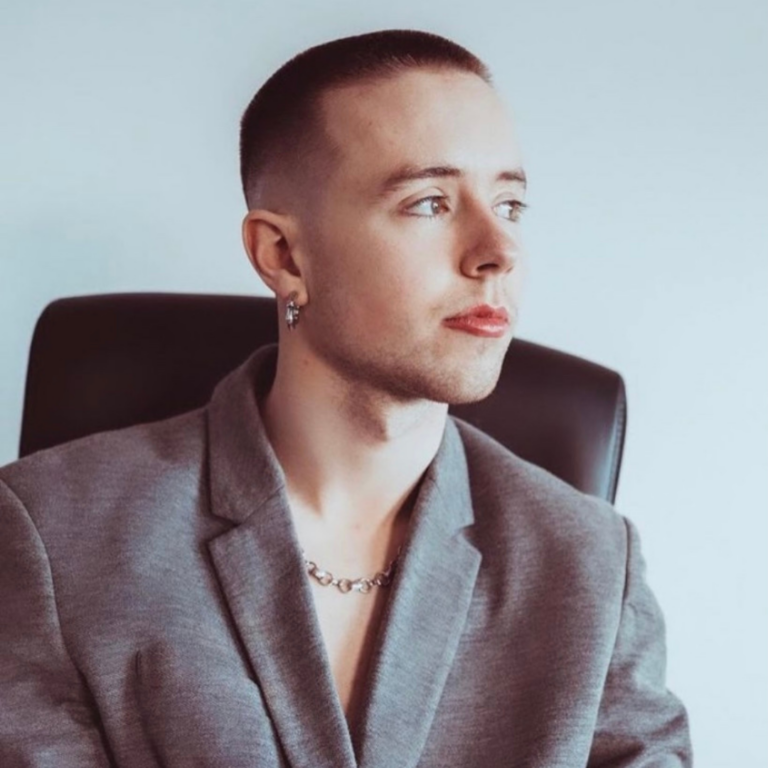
[491,245]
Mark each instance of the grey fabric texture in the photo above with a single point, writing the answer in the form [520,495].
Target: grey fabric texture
[155,611]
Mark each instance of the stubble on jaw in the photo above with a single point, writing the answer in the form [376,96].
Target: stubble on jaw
[373,378]
[376,374]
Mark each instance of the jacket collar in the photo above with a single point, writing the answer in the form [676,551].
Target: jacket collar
[244,470]
[261,570]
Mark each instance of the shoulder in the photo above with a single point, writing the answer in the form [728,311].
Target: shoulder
[522,506]
[114,467]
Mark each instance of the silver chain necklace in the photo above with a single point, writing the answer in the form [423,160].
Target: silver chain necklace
[327,579]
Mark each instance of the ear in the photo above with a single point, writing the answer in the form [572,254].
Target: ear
[268,239]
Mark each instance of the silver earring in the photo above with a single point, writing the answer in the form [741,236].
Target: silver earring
[292,310]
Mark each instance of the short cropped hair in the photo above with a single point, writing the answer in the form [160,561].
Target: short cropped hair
[281,125]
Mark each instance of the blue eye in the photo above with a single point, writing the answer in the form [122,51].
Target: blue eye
[429,207]
[511,210]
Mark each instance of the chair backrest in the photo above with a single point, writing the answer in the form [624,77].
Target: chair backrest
[110,361]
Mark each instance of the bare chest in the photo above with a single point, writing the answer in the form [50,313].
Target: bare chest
[350,624]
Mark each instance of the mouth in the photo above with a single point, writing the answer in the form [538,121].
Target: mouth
[482,320]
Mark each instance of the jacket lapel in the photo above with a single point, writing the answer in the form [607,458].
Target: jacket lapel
[426,614]
[261,572]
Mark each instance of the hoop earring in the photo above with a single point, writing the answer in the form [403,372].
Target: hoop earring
[292,310]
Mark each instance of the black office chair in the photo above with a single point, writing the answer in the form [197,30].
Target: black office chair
[109,361]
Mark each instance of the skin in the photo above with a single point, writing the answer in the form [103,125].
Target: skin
[362,386]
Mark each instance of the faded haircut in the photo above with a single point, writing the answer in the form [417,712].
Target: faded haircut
[281,127]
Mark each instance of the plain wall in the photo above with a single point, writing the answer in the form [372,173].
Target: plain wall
[643,127]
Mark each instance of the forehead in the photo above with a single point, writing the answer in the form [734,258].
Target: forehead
[419,117]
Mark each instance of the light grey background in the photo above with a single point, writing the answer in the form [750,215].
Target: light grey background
[643,127]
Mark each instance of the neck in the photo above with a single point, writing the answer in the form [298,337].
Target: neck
[352,455]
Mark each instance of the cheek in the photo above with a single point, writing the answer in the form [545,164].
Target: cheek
[379,265]
[385,294]
[401,282]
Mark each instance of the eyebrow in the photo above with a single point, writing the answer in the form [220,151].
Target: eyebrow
[409,173]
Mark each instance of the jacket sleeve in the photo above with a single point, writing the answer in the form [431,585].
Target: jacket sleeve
[47,716]
[640,723]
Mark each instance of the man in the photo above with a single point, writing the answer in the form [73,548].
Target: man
[321,568]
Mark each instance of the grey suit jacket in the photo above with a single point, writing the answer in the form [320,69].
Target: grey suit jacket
[155,611]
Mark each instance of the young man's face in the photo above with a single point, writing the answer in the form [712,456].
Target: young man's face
[389,261]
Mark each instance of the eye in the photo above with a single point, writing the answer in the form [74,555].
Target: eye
[429,207]
[511,210]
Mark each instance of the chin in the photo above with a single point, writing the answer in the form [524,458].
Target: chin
[470,382]
[456,387]
[472,397]
[463,395]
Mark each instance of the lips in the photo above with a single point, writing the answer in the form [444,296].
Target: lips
[482,320]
